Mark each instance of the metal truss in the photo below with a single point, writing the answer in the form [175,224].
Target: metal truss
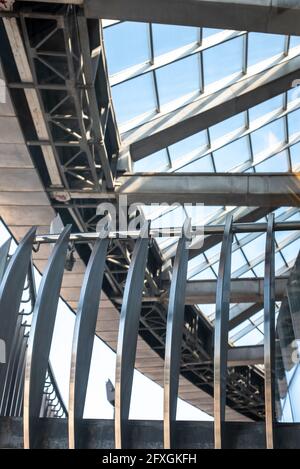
[68,71]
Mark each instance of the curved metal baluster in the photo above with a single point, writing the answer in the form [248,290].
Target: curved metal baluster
[20,391]
[128,334]
[221,333]
[83,338]
[174,336]
[19,381]
[40,337]
[8,375]
[269,332]
[11,290]
[11,375]
[4,250]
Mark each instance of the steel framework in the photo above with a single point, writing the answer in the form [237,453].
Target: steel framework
[55,67]
[32,366]
[60,82]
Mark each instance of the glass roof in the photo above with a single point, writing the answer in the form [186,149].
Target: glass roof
[155,69]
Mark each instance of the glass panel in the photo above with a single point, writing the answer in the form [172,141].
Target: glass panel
[208,274]
[156,162]
[263,46]
[196,262]
[255,247]
[293,95]
[267,107]
[168,37]
[196,142]
[293,120]
[294,395]
[295,156]
[268,137]
[279,262]
[206,32]
[237,261]
[294,41]
[259,269]
[291,251]
[178,79]
[126,44]
[277,164]
[213,251]
[253,337]
[248,274]
[133,98]
[208,310]
[202,165]
[287,415]
[173,218]
[227,126]
[232,155]
[223,60]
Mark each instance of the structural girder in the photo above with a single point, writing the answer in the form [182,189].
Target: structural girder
[233,189]
[268,16]
[243,290]
[211,108]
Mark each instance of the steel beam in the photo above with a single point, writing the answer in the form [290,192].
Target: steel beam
[243,290]
[240,189]
[246,356]
[267,16]
[212,108]
[93,102]
[269,333]
[83,338]
[221,334]
[34,102]
[40,337]
[128,335]
[174,336]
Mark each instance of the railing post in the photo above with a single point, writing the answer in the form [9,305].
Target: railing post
[269,330]
[221,334]
[174,336]
[128,334]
